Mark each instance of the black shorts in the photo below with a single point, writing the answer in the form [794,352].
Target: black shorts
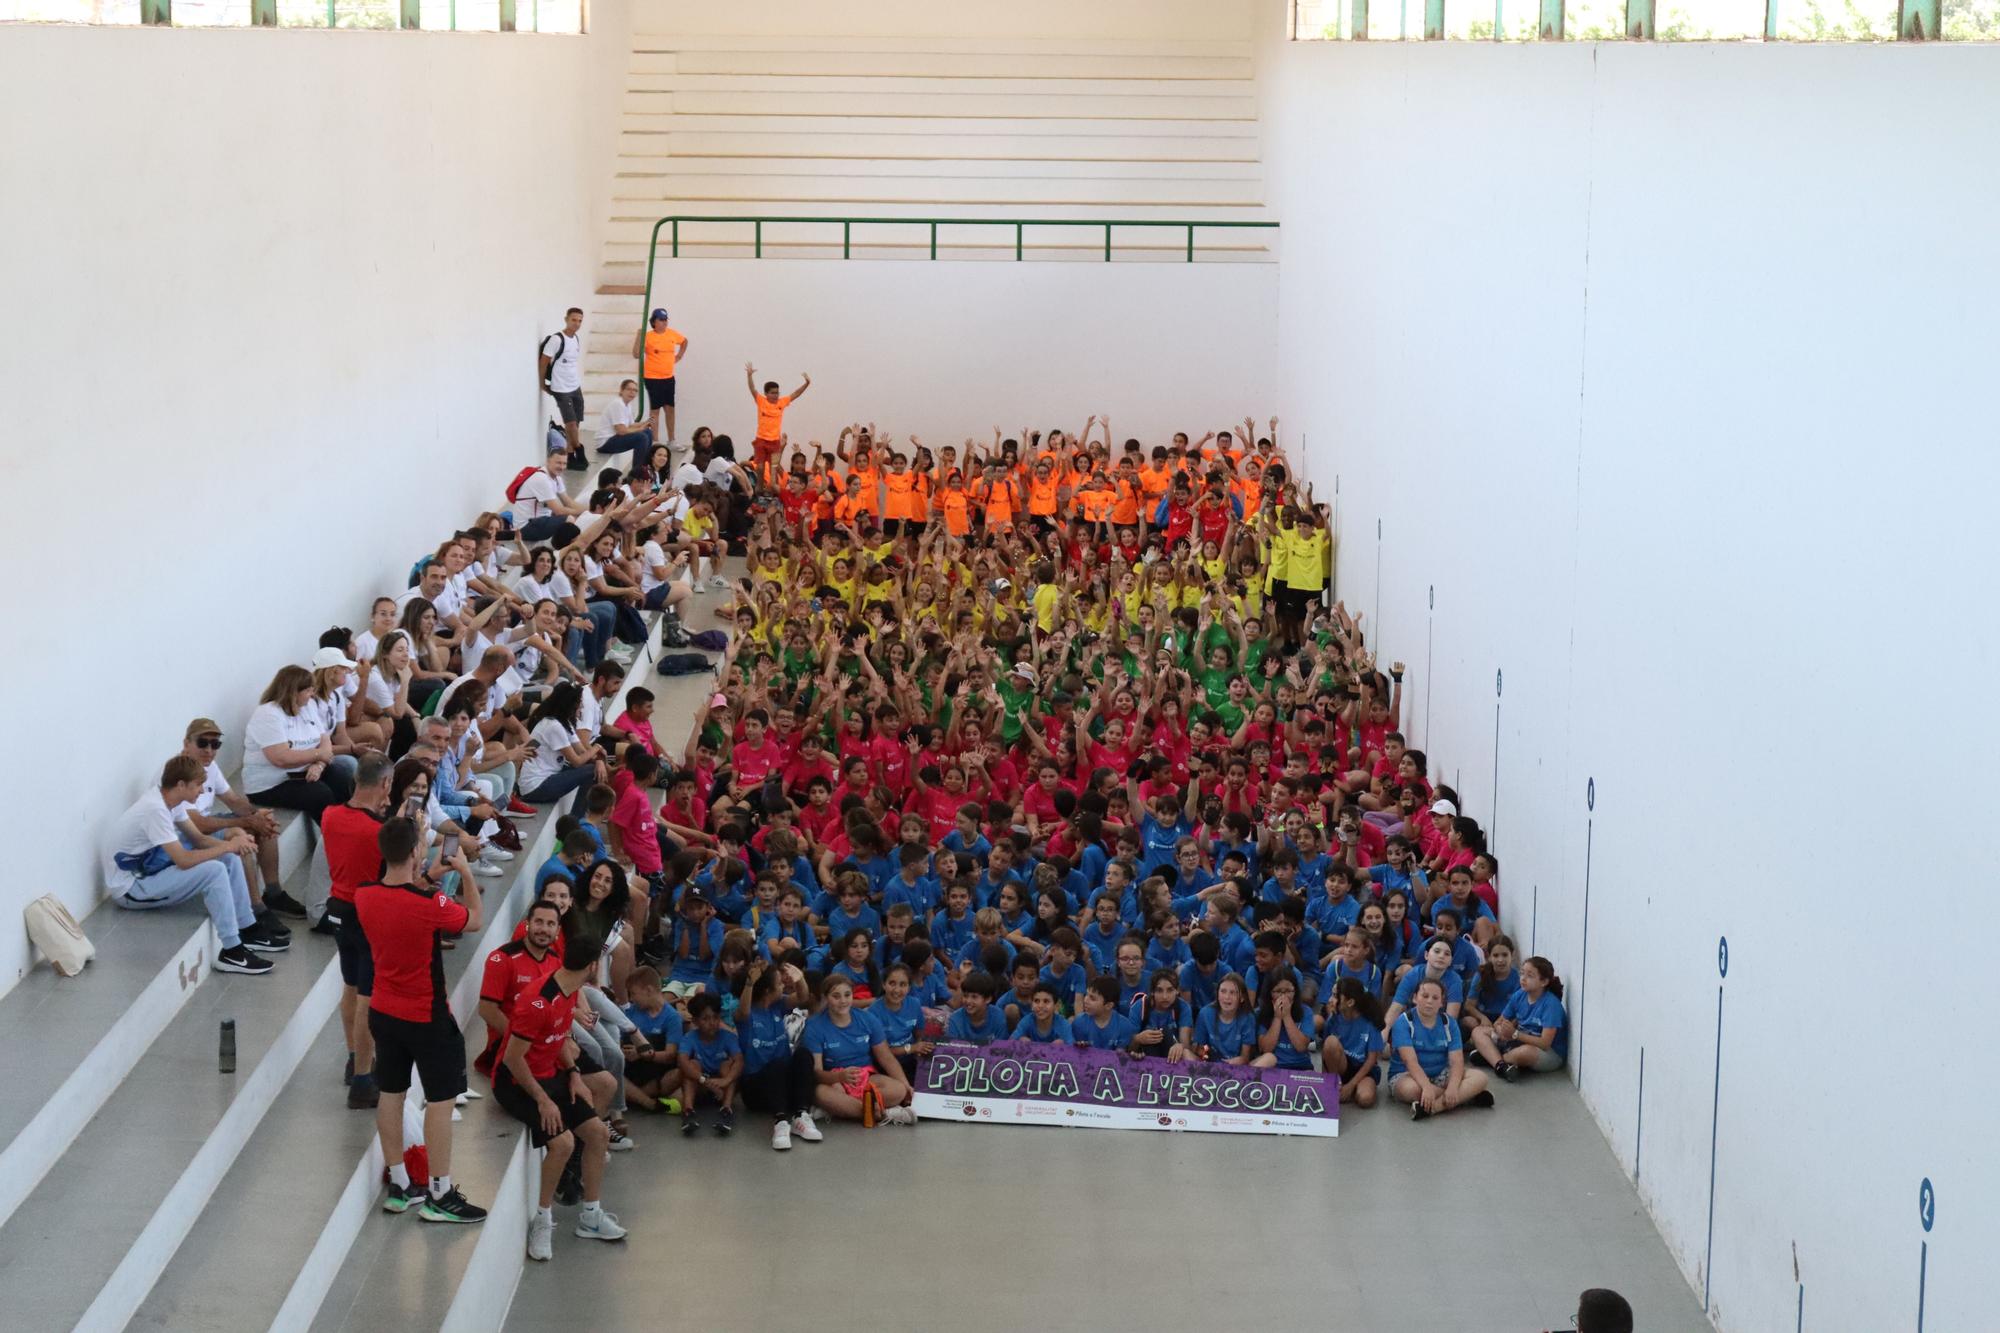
[585,1064]
[357,960]
[521,1105]
[660,393]
[435,1049]
[570,404]
[1295,601]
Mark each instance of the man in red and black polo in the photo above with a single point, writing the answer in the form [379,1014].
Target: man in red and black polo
[351,834]
[409,1017]
[517,967]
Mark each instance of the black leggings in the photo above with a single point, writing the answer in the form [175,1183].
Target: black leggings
[783,1087]
[333,788]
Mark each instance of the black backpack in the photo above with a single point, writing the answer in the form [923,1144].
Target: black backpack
[683,664]
[562,345]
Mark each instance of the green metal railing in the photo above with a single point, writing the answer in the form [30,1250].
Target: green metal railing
[848,224]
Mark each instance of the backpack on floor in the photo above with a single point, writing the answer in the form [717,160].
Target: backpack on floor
[682,664]
[56,933]
[710,641]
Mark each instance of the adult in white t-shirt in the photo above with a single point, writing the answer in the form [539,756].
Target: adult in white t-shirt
[562,762]
[617,431]
[220,810]
[560,368]
[288,758]
[543,511]
[149,864]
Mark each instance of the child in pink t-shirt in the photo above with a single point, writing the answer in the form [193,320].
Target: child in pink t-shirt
[632,817]
[637,721]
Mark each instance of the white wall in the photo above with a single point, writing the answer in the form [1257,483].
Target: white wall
[953,348]
[1670,369]
[275,297]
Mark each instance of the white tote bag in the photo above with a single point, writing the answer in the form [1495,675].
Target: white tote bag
[56,933]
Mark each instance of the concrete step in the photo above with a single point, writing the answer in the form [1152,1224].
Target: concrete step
[684,82]
[88,1242]
[989,63]
[994,146]
[963,103]
[817,45]
[661,120]
[677,167]
[1003,197]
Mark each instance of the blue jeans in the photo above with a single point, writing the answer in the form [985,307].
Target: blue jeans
[561,783]
[639,443]
[219,883]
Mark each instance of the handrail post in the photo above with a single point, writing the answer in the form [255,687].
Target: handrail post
[1190,242]
[646,297]
[677,247]
[933,240]
[846,232]
[1107,242]
[1017,242]
[758,252]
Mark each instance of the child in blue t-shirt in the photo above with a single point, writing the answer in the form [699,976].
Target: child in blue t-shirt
[1101,936]
[1164,1020]
[1353,1045]
[1043,1023]
[1063,972]
[1284,1024]
[1017,1003]
[654,1072]
[1532,1032]
[1163,824]
[902,1017]
[1202,972]
[976,1020]
[1428,1072]
[1100,1026]
[1226,1031]
[1493,985]
[1165,947]
[777,1077]
[711,1062]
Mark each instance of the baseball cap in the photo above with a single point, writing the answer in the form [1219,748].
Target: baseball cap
[1025,672]
[1445,808]
[331,657]
[658,315]
[694,893]
[202,726]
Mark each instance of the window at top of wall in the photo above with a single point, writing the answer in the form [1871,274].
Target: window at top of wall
[548,15]
[211,13]
[69,11]
[1594,20]
[1473,20]
[1971,20]
[1709,20]
[1837,20]
[1395,20]
[1319,20]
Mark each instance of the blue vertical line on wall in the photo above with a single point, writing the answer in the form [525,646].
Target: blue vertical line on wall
[1493,820]
[1801,1325]
[1583,960]
[1714,1120]
[1639,1131]
[1926,1215]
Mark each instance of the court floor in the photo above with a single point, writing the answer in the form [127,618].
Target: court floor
[1482,1221]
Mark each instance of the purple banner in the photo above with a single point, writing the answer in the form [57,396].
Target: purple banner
[1032,1083]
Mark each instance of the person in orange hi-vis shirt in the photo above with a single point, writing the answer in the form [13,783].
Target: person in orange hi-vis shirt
[770,417]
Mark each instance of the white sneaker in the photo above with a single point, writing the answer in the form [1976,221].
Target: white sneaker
[817,1113]
[541,1237]
[719,584]
[781,1136]
[492,853]
[596,1224]
[804,1127]
[900,1115]
[486,869]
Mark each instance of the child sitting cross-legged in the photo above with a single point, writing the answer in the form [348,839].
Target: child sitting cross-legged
[711,1062]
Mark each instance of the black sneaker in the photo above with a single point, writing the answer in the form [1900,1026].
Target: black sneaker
[401,1197]
[453,1207]
[1417,1111]
[277,900]
[579,461]
[362,1094]
[263,941]
[569,1188]
[241,960]
[1480,1098]
[690,1126]
[326,925]
[1508,1071]
[725,1124]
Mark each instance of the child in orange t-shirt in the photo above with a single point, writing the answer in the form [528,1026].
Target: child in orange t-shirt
[902,499]
[770,415]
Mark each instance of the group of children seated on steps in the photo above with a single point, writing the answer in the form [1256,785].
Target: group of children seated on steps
[1151,798]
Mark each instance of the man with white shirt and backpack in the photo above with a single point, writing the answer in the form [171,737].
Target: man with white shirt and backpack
[561,364]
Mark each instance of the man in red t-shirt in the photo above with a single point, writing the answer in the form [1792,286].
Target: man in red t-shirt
[353,858]
[539,1084]
[518,967]
[409,1017]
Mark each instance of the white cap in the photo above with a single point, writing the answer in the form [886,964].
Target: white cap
[331,657]
[1445,808]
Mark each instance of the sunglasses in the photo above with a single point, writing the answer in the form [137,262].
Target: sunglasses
[211,743]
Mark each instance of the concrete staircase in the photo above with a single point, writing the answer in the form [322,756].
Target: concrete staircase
[922,127]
